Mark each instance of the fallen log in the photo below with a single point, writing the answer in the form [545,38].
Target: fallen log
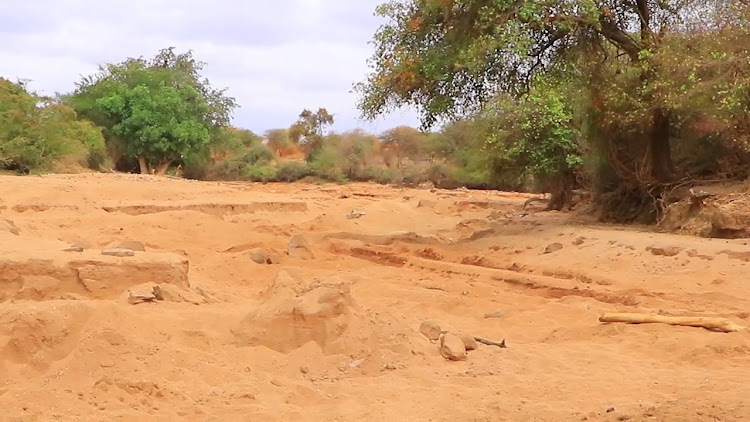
[491,342]
[714,324]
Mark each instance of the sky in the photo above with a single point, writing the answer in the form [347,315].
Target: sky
[276,57]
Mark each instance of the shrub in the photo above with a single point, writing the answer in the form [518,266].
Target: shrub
[292,171]
[260,173]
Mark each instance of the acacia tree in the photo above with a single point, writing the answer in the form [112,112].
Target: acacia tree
[308,130]
[403,142]
[157,110]
[450,57]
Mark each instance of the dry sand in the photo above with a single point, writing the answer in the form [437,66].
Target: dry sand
[327,325]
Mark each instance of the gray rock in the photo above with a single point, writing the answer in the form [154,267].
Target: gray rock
[117,252]
[452,347]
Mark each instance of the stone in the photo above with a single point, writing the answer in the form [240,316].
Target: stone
[299,248]
[667,251]
[426,203]
[118,252]
[322,315]
[133,245]
[553,247]
[263,256]
[430,329]
[469,341]
[141,295]
[172,293]
[8,226]
[452,348]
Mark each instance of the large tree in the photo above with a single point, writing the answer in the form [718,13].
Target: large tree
[449,57]
[156,111]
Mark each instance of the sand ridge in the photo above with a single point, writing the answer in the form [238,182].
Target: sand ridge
[300,302]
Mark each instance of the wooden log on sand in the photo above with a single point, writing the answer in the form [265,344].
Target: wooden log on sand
[714,324]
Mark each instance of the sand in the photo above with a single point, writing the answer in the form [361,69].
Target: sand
[303,302]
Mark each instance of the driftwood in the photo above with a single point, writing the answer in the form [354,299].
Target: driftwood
[714,324]
[491,342]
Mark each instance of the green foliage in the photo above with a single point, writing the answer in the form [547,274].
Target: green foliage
[260,173]
[292,171]
[36,132]
[258,154]
[160,110]
[539,139]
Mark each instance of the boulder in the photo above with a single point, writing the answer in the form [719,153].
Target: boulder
[452,347]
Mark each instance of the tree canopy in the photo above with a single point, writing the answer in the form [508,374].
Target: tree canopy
[157,110]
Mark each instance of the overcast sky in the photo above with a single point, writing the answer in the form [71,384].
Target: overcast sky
[275,56]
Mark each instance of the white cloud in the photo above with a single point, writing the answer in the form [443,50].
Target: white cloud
[276,57]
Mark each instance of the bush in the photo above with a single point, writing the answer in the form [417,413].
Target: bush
[325,165]
[258,155]
[260,173]
[292,171]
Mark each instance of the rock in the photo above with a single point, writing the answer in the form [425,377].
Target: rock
[579,241]
[141,295]
[452,348]
[299,247]
[8,226]
[322,315]
[430,329]
[75,248]
[133,245]
[469,342]
[426,203]
[262,256]
[553,247]
[172,293]
[664,250]
[304,369]
[118,252]
[355,214]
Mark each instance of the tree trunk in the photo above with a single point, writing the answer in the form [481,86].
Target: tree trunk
[660,148]
[561,191]
[143,164]
[162,168]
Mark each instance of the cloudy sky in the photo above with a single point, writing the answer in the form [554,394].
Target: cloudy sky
[275,56]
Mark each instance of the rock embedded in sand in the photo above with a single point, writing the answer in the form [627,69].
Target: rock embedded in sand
[452,347]
[430,329]
[263,256]
[141,295]
[133,245]
[172,293]
[667,251]
[299,247]
[8,226]
[553,247]
[118,252]
[470,343]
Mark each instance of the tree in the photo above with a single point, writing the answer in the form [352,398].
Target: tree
[403,142]
[450,58]
[308,130]
[36,131]
[157,110]
[279,141]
